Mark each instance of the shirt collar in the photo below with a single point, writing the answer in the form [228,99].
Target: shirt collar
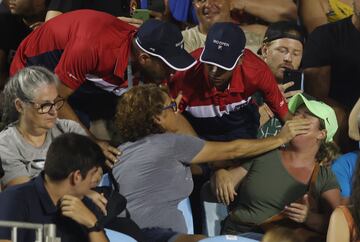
[44,196]
[236,84]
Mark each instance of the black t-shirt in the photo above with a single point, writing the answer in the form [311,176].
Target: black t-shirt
[338,45]
[114,7]
[12,31]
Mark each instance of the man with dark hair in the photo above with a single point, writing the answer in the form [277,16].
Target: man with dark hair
[217,90]
[97,57]
[57,195]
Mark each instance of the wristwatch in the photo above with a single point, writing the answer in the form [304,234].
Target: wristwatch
[96,228]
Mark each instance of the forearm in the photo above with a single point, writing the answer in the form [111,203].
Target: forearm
[66,112]
[354,122]
[270,11]
[52,14]
[248,148]
[98,236]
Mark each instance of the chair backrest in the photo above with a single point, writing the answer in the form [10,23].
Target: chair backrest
[115,236]
[226,238]
[213,212]
[185,207]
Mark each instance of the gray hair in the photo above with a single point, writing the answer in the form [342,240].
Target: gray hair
[23,85]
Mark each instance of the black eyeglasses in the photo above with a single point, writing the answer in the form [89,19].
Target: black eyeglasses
[172,105]
[43,108]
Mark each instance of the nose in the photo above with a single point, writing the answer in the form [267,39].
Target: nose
[288,57]
[53,111]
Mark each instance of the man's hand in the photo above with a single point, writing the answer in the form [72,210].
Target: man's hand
[132,21]
[72,207]
[223,186]
[110,152]
[298,212]
[99,200]
[293,128]
[288,95]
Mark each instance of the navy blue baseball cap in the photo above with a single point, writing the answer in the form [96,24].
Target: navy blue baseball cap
[164,40]
[224,45]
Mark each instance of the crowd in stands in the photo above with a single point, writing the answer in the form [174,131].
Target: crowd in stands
[259,100]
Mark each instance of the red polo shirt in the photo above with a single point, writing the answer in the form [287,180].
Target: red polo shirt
[231,114]
[79,44]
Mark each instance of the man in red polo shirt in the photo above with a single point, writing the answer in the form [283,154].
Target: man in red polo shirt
[217,90]
[96,57]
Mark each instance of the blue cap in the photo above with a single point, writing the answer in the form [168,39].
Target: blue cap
[165,41]
[224,45]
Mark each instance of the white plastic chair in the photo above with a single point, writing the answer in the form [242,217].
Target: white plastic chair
[185,207]
[213,212]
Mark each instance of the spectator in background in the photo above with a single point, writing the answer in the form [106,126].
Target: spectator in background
[24,16]
[331,65]
[282,49]
[344,167]
[314,13]
[209,12]
[354,122]
[344,223]
[95,55]
[117,8]
[57,195]
[30,118]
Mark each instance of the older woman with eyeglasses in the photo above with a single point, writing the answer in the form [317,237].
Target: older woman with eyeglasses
[154,173]
[30,107]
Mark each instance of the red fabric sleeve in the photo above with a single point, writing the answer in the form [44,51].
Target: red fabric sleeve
[272,94]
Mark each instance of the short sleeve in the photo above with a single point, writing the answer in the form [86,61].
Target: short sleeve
[318,48]
[13,166]
[326,180]
[343,168]
[272,94]
[186,147]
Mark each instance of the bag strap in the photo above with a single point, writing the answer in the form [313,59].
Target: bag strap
[310,189]
[349,220]
[113,181]
[115,185]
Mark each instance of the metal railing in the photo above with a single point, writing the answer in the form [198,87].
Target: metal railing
[43,232]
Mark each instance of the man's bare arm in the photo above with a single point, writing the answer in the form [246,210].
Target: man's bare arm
[270,11]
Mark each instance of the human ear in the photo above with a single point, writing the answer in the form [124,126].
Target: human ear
[19,105]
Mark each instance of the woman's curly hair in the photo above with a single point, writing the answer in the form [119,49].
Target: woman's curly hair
[136,111]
